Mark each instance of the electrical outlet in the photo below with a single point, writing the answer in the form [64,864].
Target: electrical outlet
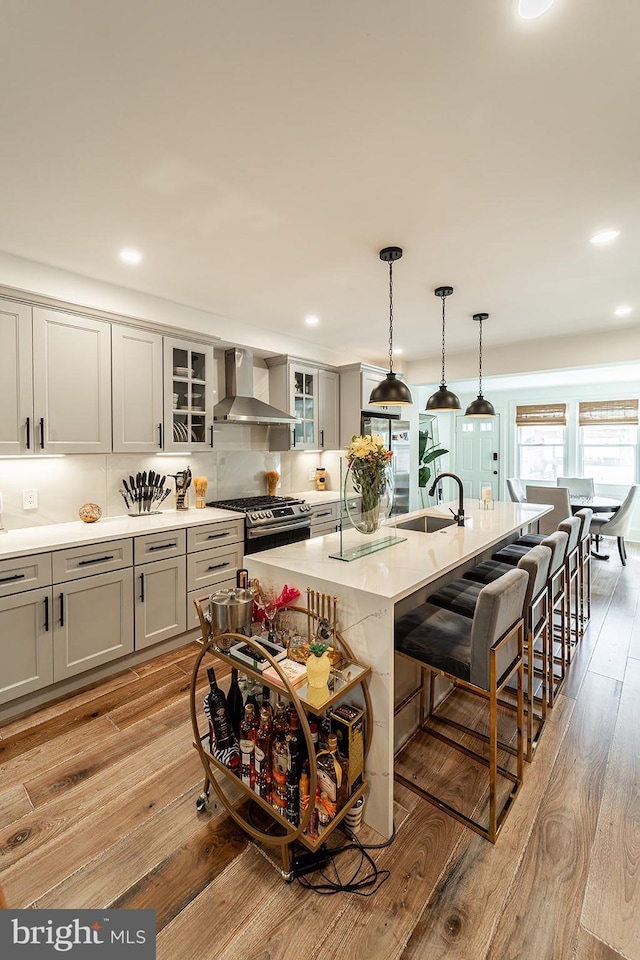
[312,473]
[29,499]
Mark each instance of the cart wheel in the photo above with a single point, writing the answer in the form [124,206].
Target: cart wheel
[202,802]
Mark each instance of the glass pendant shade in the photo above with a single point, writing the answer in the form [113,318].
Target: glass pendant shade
[443,399]
[480,407]
[391,391]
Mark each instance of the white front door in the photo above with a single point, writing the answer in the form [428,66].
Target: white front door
[478,454]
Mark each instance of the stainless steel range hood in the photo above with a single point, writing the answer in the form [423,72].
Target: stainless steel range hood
[239,404]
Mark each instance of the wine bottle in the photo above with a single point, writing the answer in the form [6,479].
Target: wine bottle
[235,707]
[224,745]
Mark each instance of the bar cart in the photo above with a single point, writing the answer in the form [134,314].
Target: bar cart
[350,676]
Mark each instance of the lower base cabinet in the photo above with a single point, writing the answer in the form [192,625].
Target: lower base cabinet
[160,611]
[26,643]
[92,622]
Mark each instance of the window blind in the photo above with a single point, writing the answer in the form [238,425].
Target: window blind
[607,411]
[542,414]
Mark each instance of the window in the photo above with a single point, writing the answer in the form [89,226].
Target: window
[608,440]
[541,440]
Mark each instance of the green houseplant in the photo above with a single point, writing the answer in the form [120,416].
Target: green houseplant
[427,453]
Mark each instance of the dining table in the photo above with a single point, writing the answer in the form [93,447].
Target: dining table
[598,504]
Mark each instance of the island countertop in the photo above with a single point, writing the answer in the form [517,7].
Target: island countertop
[417,560]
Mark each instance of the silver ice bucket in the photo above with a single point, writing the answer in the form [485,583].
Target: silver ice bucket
[230,612]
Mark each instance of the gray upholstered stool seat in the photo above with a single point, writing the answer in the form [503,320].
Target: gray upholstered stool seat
[459,596]
[480,655]
[512,553]
[531,539]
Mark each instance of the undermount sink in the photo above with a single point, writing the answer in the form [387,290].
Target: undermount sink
[425,524]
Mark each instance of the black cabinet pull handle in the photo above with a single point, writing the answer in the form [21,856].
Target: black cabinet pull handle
[15,576]
[216,536]
[294,437]
[160,435]
[46,614]
[211,434]
[218,566]
[162,546]
[84,563]
[322,438]
[42,433]
[327,513]
[142,587]
[62,609]
[28,433]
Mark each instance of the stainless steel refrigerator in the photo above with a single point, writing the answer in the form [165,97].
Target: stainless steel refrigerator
[395,435]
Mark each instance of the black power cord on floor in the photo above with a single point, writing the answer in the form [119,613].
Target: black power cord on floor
[364,885]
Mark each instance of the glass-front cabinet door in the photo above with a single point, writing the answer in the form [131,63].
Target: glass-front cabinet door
[304,404]
[189,393]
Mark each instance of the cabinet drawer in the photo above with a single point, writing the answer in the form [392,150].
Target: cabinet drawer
[157,546]
[208,567]
[212,534]
[319,529]
[324,512]
[354,506]
[192,615]
[94,558]
[25,573]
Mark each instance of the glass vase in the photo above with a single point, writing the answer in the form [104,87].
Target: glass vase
[376,500]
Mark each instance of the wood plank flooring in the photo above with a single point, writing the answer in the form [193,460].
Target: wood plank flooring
[97,809]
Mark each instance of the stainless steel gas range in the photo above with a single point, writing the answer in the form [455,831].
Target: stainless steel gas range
[270,521]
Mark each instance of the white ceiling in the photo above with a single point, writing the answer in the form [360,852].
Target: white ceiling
[259,154]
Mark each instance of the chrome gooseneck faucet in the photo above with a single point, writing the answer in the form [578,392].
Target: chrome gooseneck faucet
[459,516]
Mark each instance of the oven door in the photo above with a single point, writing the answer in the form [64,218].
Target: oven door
[276,535]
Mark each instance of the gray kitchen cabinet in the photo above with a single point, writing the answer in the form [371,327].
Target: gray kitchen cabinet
[71,383]
[26,643]
[324,518]
[160,588]
[137,400]
[189,395]
[16,379]
[357,380]
[93,621]
[310,393]
[214,554]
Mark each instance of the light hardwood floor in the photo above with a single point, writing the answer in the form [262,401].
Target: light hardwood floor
[97,809]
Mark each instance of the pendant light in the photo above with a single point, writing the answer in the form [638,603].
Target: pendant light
[390,391]
[443,399]
[480,407]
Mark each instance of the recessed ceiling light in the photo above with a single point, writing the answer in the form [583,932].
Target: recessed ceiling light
[398,350]
[530,9]
[129,255]
[311,321]
[622,311]
[605,236]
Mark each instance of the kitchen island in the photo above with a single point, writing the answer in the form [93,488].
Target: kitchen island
[373,590]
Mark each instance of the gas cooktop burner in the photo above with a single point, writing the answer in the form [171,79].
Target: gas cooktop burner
[249,504]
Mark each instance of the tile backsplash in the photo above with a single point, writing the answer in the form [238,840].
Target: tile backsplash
[235,468]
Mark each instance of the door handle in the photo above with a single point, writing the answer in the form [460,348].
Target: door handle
[142,587]
[211,440]
[42,433]
[46,614]
[62,609]
[160,435]
[322,438]
[28,433]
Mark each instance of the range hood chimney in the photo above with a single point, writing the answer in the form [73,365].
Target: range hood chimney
[239,404]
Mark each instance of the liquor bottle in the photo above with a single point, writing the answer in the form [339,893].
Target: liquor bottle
[293,779]
[234,703]
[324,814]
[224,745]
[262,755]
[248,734]
[332,773]
[313,823]
[281,720]
[280,764]
[294,742]
[266,700]
[253,700]
[304,794]
[313,727]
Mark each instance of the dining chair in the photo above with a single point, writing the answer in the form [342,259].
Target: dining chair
[480,656]
[558,497]
[516,489]
[618,524]
[577,486]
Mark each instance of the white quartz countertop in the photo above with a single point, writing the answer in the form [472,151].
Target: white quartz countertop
[316,497]
[57,536]
[421,558]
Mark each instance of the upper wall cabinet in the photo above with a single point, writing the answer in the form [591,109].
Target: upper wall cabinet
[137,390]
[71,383]
[16,382]
[311,394]
[189,394]
[356,383]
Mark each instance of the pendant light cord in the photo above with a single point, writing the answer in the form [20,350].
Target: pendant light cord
[480,363]
[443,382]
[390,316]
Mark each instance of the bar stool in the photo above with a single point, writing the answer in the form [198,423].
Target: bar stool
[536,564]
[479,655]
[584,544]
[571,526]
